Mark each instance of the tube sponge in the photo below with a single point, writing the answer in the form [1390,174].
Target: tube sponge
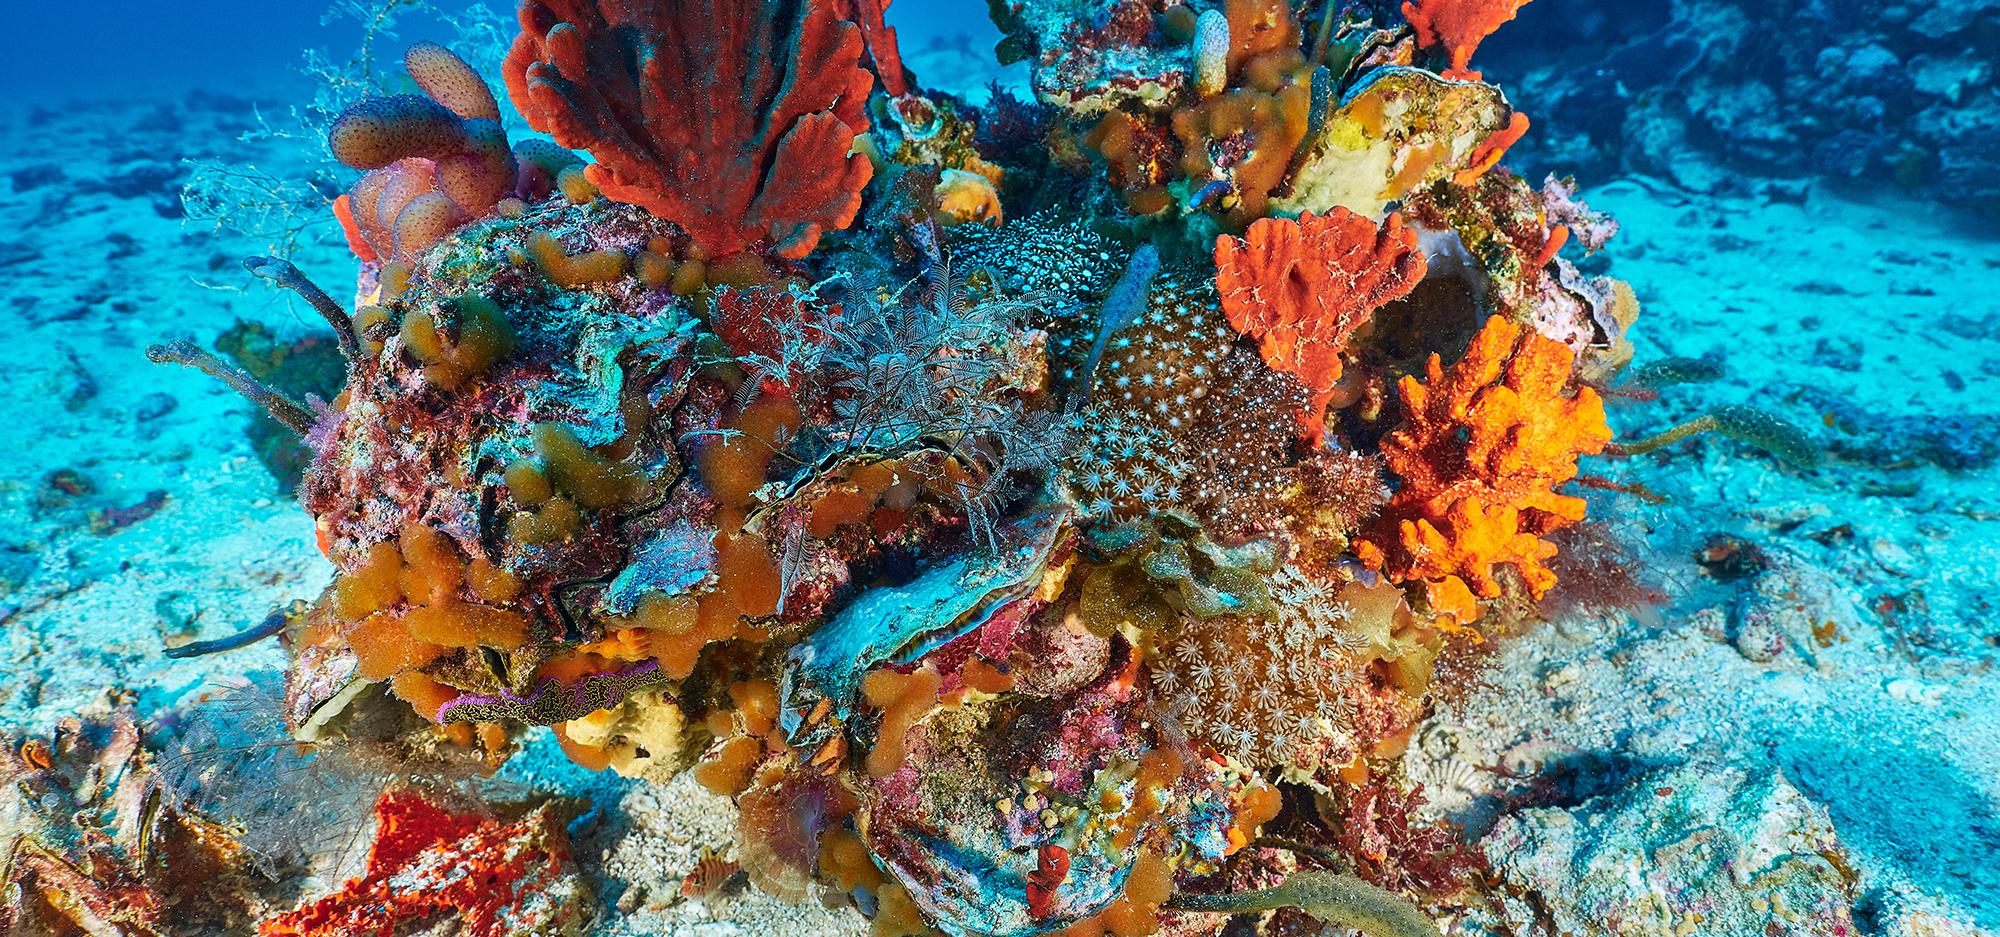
[449,81]
[482,172]
[538,164]
[462,339]
[437,160]
[1211,53]
[424,221]
[375,132]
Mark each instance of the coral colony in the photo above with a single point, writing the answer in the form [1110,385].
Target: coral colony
[1043,518]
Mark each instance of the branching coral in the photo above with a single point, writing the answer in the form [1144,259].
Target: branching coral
[1480,452]
[1301,287]
[734,120]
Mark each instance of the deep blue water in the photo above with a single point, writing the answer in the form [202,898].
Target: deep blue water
[123,49]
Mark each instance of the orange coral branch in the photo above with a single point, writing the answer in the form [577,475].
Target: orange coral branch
[1301,287]
[1458,26]
[1491,149]
[1480,451]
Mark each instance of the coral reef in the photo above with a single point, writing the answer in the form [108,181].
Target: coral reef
[1014,572]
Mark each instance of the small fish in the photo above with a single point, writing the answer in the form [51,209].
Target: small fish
[38,755]
[711,876]
[1122,305]
[271,625]
[1215,189]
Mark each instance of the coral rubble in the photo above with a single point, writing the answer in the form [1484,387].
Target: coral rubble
[1019,564]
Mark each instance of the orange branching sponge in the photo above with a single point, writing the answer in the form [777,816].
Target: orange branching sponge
[1459,26]
[1301,287]
[733,120]
[1480,451]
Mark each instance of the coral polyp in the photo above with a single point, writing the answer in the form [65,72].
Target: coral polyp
[1018,564]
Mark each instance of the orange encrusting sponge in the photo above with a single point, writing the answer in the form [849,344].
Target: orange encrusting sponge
[1136,913]
[406,605]
[903,699]
[572,271]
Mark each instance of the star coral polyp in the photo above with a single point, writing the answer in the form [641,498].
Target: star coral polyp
[738,128]
[1480,452]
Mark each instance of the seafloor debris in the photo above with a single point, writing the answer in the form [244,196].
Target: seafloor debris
[92,846]
[1020,564]
[1692,849]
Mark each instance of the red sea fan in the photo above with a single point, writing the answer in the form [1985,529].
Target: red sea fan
[730,118]
[1394,848]
[1302,286]
[882,49]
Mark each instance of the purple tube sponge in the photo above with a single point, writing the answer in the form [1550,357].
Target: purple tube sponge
[552,702]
